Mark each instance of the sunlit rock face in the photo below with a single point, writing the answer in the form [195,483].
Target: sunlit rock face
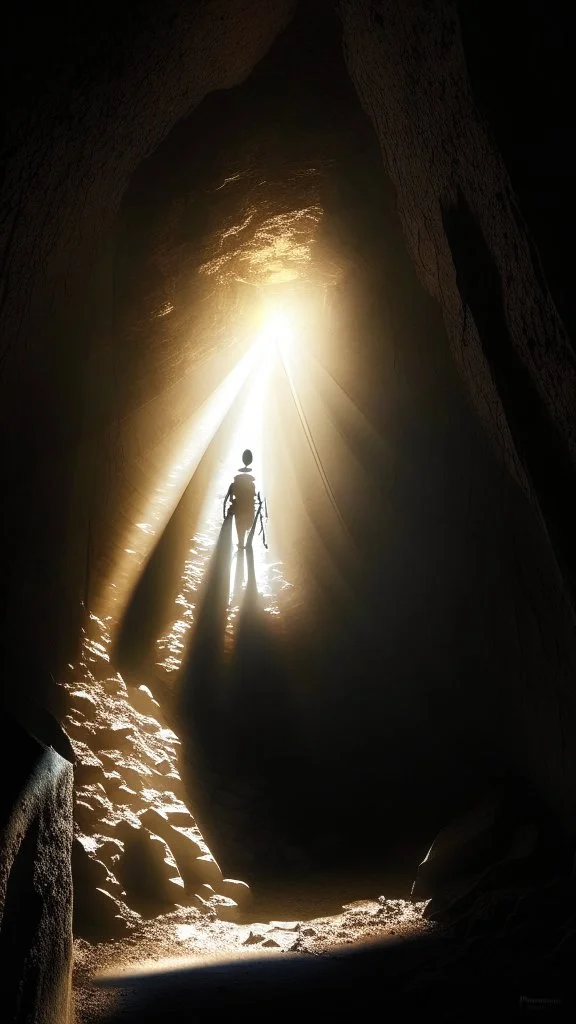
[137,850]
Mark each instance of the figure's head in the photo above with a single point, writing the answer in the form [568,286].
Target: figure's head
[247,457]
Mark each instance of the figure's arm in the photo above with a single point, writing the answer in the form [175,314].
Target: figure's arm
[228,496]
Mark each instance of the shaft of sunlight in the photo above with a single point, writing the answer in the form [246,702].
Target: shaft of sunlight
[140,536]
[250,431]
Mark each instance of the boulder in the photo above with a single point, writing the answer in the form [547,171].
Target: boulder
[135,778]
[87,872]
[147,872]
[178,815]
[35,879]
[236,890]
[226,909]
[481,848]
[107,918]
[87,767]
[85,814]
[143,701]
[92,806]
[206,891]
[217,906]
[115,685]
[109,738]
[208,869]
[187,852]
[108,849]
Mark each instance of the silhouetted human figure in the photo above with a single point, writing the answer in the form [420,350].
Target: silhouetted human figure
[242,496]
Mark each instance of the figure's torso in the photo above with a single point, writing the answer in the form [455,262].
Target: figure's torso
[244,493]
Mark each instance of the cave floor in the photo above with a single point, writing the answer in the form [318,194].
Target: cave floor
[187,934]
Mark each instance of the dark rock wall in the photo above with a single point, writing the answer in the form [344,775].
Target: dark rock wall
[470,244]
[522,78]
[35,880]
[472,250]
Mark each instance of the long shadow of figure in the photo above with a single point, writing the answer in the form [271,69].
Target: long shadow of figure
[236,726]
[201,682]
[151,603]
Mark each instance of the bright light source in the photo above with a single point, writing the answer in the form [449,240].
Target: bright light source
[277,327]
[279,330]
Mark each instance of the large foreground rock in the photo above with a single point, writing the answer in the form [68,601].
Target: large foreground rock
[35,879]
[500,846]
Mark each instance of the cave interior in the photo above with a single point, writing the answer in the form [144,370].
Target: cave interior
[399,180]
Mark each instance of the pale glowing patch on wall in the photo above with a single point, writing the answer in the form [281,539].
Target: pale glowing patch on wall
[277,252]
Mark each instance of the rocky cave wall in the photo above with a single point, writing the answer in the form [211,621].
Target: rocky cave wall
[69,153]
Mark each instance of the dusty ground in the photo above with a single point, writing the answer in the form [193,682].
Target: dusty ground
[188,933]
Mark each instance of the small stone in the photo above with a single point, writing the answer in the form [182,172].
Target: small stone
[226,909]
[87,767]
[112,782]
[108,849]
[178,816]
[238,891]
[309,931]
[108,738]
[205,907]
[84,699]
[78,731]
[136,778]
[253,939]
[271,942]
[125,795]
[143,701]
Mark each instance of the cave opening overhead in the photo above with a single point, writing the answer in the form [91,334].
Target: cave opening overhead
[398,539]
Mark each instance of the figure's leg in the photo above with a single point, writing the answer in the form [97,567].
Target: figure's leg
[251,531]
[239,574]
[241,531]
